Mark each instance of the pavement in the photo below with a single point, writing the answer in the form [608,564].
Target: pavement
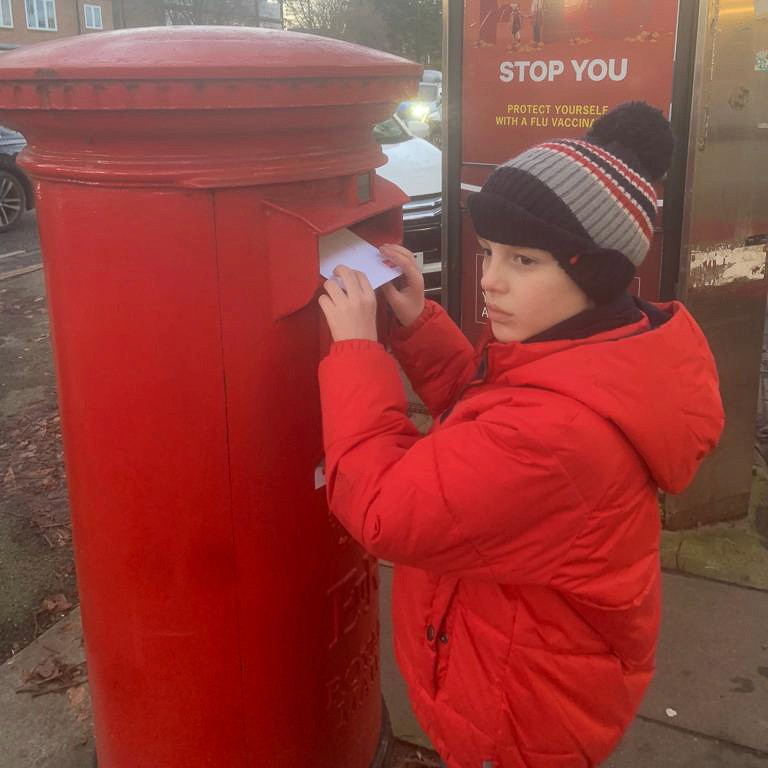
[707,707]
[735,552]
[708,704]
[36,560]
[49,725]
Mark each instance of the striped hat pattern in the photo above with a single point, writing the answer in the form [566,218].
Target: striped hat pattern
[615,205]
[590,202]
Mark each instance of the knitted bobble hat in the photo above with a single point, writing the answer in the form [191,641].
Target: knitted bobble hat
[589,202]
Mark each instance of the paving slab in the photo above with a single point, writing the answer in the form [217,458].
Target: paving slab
[712,667]
[650,745]
[404,724]
[35,540]
[51,730]
[735,552]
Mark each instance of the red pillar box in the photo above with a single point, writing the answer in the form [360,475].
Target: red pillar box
[183,178]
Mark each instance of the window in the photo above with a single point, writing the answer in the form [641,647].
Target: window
[428,92]
[41,14]
[391,131]
[93,17]
[269,9]
[6,15]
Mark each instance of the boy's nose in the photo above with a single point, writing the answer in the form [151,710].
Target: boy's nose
[490,282]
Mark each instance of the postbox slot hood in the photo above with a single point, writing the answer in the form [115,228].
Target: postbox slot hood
[326,216]
[293,239]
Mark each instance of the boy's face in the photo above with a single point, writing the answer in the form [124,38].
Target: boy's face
[526,291]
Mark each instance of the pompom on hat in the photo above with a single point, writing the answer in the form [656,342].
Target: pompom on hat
[590,201]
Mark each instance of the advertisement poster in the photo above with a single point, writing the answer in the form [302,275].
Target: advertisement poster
[534,70]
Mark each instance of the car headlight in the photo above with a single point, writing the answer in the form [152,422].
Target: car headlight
[419,111]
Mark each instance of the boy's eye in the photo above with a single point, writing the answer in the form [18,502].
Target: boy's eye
[524,260]
[486,252]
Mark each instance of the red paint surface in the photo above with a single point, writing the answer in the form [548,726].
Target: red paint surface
[229,620]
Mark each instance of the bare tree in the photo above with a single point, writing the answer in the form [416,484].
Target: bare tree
[242,12]
[138,13]
[365,25]
[322,17]
[411,28]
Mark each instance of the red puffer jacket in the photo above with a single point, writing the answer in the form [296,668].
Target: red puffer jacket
[525,527]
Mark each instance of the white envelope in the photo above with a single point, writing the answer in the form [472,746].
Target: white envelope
[347,249]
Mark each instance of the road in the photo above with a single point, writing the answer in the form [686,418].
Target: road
[20,248]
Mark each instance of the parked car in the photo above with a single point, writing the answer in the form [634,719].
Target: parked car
[426,109]
[432,76]
[15,190]
[435,127]
[416,167]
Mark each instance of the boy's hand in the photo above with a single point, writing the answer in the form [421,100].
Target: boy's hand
[351,311]
[407,302]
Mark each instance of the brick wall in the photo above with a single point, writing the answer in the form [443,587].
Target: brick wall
[70,17]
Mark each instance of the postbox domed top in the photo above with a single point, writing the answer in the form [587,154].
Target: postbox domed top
[200,105]
[199,53]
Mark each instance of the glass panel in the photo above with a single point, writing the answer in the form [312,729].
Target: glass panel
[428,92]
[6,19]
[389,132]
[50,9]
[31,14]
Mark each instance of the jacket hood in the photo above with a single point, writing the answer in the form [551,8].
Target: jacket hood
[659,386]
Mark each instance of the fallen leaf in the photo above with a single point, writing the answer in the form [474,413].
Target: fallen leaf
[52,675]
[76,695]
[47,669]
[56,604]
[81,704]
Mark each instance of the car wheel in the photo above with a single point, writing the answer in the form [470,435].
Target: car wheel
[12,200]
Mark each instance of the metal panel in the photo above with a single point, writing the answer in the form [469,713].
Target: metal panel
[722,272]
[453,36]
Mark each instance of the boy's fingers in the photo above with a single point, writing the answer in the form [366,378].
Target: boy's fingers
[399,254]
[411,272]
[391,294]
[350,279]
[365,284]
[398,251]
[406,261]
[334,291]
[357,283]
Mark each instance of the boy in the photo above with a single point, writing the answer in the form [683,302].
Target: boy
[525,527]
